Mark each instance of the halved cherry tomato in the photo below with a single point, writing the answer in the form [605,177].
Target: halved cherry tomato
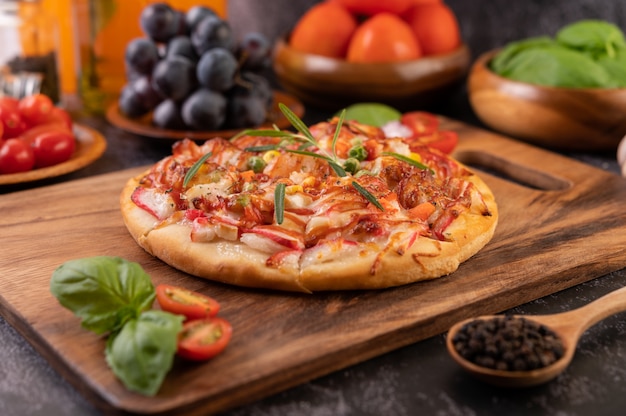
[53,147]
[185,302]
[442,140]
[421,123]
[16,156]
[202,339]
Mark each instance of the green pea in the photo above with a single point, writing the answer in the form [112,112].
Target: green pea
[358,152]
[257,164]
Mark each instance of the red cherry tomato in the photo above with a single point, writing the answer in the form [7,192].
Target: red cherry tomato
[59,115]
[31,134]
[53,147]
[202,339]
[181,301]
[9,102]
[16,156]
[421,123]
[12,122]
[442,140]
[35,109]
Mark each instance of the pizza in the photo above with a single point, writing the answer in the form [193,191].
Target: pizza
[337,206]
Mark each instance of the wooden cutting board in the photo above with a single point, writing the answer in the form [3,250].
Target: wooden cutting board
[561,223]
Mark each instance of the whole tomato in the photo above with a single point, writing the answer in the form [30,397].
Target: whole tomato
[12,123]
[35,109]
[384,37]
[371,7]
[16,156]
[435,26]
[324,30]
[53,147]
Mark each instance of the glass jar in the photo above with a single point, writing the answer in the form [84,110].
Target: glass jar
[28,55]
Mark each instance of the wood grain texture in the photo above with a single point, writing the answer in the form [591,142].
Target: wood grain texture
[561,223]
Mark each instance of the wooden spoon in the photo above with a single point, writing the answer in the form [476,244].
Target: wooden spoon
[569,326]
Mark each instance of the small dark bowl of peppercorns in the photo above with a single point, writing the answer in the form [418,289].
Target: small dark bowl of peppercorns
[507,350]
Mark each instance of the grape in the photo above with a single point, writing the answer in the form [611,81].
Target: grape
[204,110]
[167,115]
[175,77]
[196,14]
[245,111]
[255,85]
[181,45]
[255,51]
[138,97]
[212,32]
[161,22]
[216,69]
[141,55]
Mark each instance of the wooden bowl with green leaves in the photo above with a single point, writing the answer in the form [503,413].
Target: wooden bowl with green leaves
[564,117]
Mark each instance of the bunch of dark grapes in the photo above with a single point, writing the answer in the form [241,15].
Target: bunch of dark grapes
[192,74]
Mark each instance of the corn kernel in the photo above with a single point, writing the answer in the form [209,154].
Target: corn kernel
[270,155]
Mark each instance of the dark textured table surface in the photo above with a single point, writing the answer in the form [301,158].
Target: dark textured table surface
[419,378]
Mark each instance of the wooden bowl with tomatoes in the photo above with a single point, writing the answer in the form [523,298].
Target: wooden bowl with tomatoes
[591,119]
[373,51]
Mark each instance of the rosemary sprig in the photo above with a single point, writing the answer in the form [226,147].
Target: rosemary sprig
[409,161]
[279,202]
[308,140]
[194,168]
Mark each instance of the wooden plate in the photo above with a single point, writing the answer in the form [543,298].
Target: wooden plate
[143,126]
[90,146]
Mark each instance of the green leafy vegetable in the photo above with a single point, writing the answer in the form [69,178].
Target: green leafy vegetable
[113,295]
[194,169]
[142,352]
[105,292]
[583,54]
[374,114]
[596,37]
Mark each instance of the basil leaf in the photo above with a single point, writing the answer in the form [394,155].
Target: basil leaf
[142,352]
[594,36]
[557,66]
[374,114]
[501,62]
[105,292]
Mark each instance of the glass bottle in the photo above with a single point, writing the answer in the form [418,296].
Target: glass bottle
[103,28]
[28,56]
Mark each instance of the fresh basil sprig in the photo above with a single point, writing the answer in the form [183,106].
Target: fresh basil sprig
[113,295]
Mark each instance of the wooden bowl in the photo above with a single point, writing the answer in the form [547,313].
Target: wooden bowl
[591,119]
[335,83]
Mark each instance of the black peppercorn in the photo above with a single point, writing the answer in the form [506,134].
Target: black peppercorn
[508,343]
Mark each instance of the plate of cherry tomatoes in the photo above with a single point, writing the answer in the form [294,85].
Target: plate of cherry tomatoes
[39,140]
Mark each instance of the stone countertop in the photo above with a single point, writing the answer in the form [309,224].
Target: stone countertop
[419,378]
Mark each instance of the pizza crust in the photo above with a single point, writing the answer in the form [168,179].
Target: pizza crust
[236,263]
